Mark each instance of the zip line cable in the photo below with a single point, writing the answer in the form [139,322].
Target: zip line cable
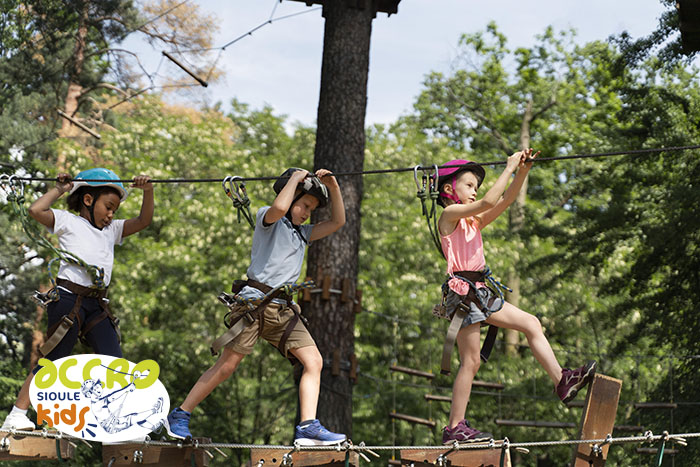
[633,152]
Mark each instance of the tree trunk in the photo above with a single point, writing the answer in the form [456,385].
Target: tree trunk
[516,218]
[340,145]
[74,88]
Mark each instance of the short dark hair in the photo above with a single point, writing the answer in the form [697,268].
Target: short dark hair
[75,199]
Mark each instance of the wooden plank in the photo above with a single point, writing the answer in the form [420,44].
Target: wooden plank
[138,453]
[301,458]
[412,372]
[33,448]
[598,419]
[412,419]
[464,458]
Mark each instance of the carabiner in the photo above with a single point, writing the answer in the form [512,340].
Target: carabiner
[434,177]
[415,178]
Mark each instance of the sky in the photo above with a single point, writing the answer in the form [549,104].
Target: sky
[280,63]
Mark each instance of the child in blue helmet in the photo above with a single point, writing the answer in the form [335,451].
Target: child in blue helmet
[82,310]
[467,299]
[279,245]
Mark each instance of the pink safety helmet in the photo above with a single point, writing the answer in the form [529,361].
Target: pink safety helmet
[447,173]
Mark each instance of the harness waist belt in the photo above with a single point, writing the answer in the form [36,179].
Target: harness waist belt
[59,330]
[458,318]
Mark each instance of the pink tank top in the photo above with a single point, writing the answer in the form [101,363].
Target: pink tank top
[464,251]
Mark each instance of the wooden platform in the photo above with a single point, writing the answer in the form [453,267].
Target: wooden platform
[463,458]
[33,448]
[301,458]
[130,454]
[597,420]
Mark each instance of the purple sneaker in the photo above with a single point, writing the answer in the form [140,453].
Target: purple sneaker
[573,380]
[463,433]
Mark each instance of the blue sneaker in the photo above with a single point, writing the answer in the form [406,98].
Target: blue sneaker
[178,424]
[314,434]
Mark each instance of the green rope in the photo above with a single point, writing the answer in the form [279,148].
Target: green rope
[15,197]
[660,453]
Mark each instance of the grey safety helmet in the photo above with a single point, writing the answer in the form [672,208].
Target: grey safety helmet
[309,186]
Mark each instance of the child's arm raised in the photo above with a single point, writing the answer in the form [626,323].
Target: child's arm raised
[511,193]
[40,210]
[337,220]
[143,220]
[453,213]
[284,199]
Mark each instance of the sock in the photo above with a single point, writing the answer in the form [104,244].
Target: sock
[306,423]
[17,410]
[183,411]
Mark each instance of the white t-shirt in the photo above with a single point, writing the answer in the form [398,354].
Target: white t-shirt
[95,247]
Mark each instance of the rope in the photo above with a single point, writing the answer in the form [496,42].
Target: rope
[648,437]
[396,170]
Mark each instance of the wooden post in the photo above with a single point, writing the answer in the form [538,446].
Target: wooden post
[131,454]
[597,420]
[33,448]
[464,458]
[270,457]
[326,287]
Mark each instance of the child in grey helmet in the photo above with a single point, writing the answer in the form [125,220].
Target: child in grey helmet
[279,245]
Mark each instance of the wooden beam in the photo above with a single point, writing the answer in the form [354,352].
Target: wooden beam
[598,419]
[534,423]
[464,458]
[34,448]
[301,458]
[550,424]
[412,419]
[655,405]
[136,453]
[412,372]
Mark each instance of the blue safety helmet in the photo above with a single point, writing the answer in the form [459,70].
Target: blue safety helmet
[104,177]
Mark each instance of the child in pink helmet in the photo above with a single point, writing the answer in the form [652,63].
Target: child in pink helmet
[468,301]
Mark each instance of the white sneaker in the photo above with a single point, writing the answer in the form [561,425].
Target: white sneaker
[18,421]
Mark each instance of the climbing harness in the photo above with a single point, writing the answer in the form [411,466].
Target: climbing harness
[59,330]
[427,187]
[234,187]
[477,299]
[253,309]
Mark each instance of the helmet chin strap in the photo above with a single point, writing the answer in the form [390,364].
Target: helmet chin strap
[452,195]
[288,215]
[91,210]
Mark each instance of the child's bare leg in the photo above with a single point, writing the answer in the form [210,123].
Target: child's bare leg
[512,317]
[217,374]
[22,401]
[310,382]
[469,361]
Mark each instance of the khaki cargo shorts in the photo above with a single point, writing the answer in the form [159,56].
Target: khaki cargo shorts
[276,318]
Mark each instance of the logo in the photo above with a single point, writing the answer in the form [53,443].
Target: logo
[99,398]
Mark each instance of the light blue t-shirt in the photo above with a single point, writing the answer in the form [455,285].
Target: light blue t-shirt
[277,254]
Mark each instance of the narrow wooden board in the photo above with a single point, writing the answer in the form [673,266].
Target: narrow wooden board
[35,448]
[463,458]
[136,453]
[598,419]
[302,458]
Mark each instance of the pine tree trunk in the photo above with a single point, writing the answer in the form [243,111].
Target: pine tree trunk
[340,145]
[516,217]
